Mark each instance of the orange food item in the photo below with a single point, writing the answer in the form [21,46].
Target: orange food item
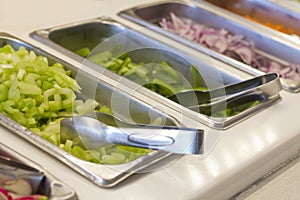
[277,27]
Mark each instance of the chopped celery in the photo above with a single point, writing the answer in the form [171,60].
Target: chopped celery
[87,107]
[31,78]
[14,92]
[38,96]
[28,88]
[84,154]
[3,92]
[7,49]
[68,145]
[114,158]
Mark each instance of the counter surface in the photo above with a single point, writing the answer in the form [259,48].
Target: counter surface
[243,153]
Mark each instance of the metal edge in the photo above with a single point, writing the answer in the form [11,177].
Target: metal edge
[157,158]
[56,151]
[291,86]
[270,91]
[43,37]
[284,37]
[222,124]
[53,181]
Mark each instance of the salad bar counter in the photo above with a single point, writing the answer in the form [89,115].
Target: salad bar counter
[139,99]
[179,71]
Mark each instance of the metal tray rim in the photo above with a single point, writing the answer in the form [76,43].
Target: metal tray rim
[291,39]
[63,156]
[222,124]
[291,86]
[53,180]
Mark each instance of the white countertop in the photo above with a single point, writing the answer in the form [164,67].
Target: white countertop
[243,153]
[283,184]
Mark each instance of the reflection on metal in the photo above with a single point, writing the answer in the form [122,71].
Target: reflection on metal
[92,87]
[68,38]
[266,43]
[20,172]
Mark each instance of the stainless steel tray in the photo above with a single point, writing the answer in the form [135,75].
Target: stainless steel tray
[123,105]
[265,44]
[50,186]
[93,33]
[264,11]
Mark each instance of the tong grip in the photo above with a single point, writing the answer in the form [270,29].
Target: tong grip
[150,139]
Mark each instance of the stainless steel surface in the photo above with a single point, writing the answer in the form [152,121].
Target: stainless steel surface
[12,172]
[248,150]
[92,133]
[17,166]
[265,43]
[264,11]
[106,34]
[269,85]
[92,87]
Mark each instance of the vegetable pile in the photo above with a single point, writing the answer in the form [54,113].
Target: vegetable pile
[158,77]
[221,41]
[32,92]
[38,96]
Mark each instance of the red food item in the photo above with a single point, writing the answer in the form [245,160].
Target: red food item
[220,40]
[4,195]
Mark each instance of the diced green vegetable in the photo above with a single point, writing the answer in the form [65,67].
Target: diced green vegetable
[38,96]
[3,92]
[196,77]
[28,88]
[158,77]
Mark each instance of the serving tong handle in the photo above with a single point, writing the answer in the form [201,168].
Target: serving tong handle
[91,133]
[262,84]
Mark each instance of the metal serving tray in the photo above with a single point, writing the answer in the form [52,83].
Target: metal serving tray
[264,11]
[107,33]
[211,16]
[123,105]
[49,185]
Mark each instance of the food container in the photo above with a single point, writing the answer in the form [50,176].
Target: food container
[123,105]
[105,33]
[266,12]
[270,47]
[15,165]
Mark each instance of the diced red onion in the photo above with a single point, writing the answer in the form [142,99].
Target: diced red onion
[221,41]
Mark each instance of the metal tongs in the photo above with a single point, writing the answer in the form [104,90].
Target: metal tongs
[267,84]
[98,129]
